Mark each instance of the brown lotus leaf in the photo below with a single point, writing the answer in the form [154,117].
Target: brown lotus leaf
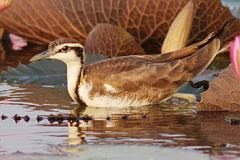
[4,4]
[107,39]
[223,93]
[147,21]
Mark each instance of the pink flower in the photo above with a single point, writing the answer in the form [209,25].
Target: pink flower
[235,55]
[18,42]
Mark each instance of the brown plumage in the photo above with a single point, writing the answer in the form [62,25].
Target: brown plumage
[138,80]
[151,77]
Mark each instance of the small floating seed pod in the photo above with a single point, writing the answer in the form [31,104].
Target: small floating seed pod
[86,118]
[144,116]
[71,117]
[52,118]
[60,118]
[125,117]
[26,118]
[4,117]
[17,118]
[39,118]
[108,118]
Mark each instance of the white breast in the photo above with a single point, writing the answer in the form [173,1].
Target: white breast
[106,100]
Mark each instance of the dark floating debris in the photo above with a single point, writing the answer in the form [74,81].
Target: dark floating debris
[233,121]
[17,118]
[86,118]
[233,118]
[108,118]
[52,118]
[4,117]
[60,119]
[26,118]
[70,118]
[125,117]
[144,116]
[39,118]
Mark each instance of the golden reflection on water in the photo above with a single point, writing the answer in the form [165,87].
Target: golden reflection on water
[208,132]
[165,124]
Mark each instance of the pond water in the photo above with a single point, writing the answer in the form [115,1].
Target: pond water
[173,130]
[167,130]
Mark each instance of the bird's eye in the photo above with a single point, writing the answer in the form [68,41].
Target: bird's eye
[65,48]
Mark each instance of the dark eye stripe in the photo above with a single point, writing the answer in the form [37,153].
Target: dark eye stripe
[79,50]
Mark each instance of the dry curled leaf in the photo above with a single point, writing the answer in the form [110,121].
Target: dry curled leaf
[147,21]
[223,93]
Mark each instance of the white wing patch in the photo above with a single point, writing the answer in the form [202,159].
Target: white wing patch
[109,88]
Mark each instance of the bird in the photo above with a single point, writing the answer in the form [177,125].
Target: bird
[134,80]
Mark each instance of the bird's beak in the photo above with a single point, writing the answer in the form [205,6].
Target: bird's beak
[43,55]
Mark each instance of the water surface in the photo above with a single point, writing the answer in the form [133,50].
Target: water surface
[158,130]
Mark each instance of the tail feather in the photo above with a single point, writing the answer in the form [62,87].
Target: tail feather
[221,34]
[225,47]
[199,61]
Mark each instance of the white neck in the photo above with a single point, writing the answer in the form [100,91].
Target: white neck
[73,72]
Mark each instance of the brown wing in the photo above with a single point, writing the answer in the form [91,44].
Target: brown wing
[131,74]
[127,74]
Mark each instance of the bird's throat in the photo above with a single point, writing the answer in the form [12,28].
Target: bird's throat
[74,76]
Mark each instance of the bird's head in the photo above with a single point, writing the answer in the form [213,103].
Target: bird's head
[66,49]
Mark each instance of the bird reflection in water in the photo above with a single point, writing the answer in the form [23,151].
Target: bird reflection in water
[179,128]
[105,118]
[77,132]
[174,126]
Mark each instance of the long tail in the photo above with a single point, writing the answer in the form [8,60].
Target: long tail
[199,61]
